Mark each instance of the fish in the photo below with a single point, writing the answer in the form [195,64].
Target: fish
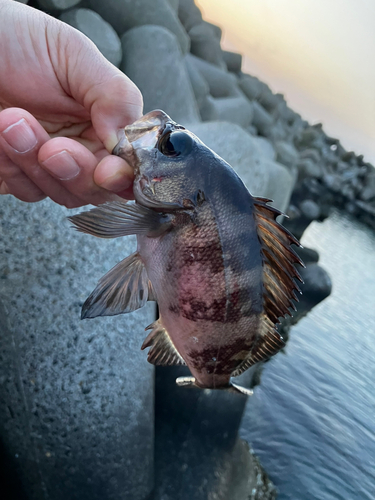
[214,258]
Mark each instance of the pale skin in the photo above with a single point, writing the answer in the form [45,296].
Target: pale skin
[62,105]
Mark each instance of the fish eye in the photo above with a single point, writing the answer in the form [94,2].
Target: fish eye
[175,144]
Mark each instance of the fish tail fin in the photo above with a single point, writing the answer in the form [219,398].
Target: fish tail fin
[234,388]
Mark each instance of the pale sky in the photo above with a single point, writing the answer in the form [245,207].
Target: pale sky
[319,53]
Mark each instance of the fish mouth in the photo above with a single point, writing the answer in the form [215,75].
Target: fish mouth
[142,134]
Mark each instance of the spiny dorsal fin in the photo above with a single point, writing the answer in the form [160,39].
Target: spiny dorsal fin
[163,351]
[269,343]
[279,258]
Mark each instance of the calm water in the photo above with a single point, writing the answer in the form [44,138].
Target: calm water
[312,420]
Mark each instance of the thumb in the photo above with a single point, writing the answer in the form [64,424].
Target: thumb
[110,97]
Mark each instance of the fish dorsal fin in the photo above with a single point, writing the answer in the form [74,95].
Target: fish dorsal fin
[269,342]
[162,352]
[123,289]
[279,273]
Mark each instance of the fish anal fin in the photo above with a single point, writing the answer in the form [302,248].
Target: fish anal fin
[122,290]
[279,272]
[163,352]
[269,342]
[117,218]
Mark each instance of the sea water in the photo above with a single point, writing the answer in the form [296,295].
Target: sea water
[312,419]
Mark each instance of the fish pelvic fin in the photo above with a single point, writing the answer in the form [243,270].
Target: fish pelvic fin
[119,218]
[163,351]
[234,388]
[279,272]
[123,289]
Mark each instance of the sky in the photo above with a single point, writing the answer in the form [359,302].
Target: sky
[319,53]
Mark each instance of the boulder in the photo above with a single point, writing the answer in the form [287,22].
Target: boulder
[265,148]
[174,4]
[57,4]
[263,177]
[98,30]
[198,83]
[308,255]
[220,82]
[208,110]
[286,154]
[205,44]
[310,209]
[218,32]
[162,77]
[262,120]
[235,110]
[268,99]
[233,61]
[308,168]
[368,192]
[76,418]
[251,86]
[126,14]
[189,14]
[311,154]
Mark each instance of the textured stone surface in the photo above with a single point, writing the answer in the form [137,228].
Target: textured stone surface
[262,120]
[251,86]
[98,30]
[189,14]
[286,153]
[235,110]
[208,109]
[205,44]
[198,83]
[220,82]
[162,77]
[76,412]
[126,14]
[266,148]
[233,61]
[262,177]
[57,4]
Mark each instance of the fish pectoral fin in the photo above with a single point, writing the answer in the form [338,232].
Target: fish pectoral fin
[117,218]
[234,388]
[163,352]
[122,290]
[269,342]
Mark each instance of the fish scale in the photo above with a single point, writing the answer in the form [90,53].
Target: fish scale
[214,257]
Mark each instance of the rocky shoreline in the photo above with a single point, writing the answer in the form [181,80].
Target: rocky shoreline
[175,58]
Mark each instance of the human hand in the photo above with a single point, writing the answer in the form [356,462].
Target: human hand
[61,107]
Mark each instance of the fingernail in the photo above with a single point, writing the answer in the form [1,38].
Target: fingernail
[20,136]
[62,165]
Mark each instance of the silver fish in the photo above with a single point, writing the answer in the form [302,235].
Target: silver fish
[213,257]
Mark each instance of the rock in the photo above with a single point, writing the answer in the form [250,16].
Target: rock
[57,4]
[252,130]
[333,182]
[198,83]
[234,109]
[216,30]
[233,61]
[278,131]
[262,120]
[308,168]
[76,418]
[208,110]
[169,88]
[310,209]
[204,44]
[308,255]
[98,30]
[251,86]
[268,99]
[265,148]
[317,286]
[368,192]
[126,14]
[286,154]
[174,4]
[189,14]
[310,154]
[220,82]
[262,177]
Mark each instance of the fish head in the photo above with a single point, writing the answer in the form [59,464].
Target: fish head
[167,161]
